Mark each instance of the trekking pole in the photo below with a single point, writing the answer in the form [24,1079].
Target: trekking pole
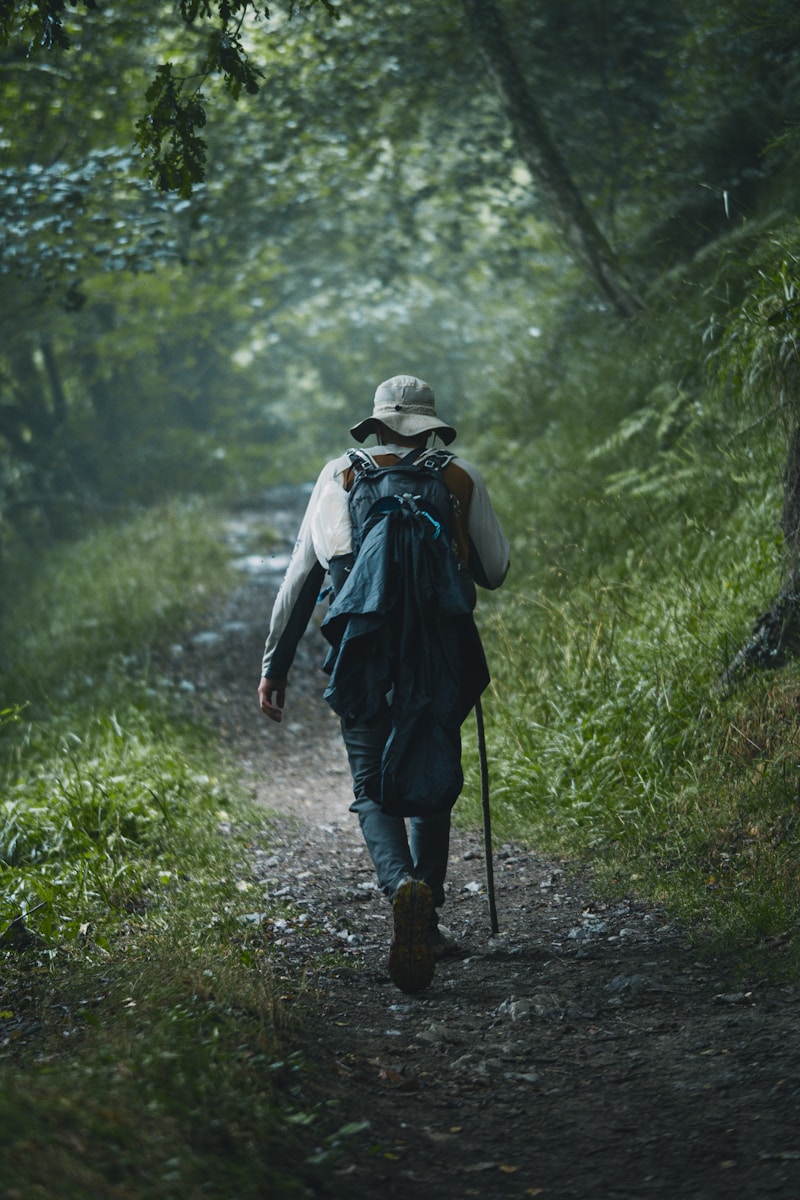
[487,816]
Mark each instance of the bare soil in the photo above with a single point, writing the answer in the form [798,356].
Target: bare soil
[586,1051]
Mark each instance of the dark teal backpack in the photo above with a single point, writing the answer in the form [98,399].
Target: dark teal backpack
[416,483]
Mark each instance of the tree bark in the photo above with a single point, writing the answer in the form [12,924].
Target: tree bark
[54,379]
[539,153]
[775,635]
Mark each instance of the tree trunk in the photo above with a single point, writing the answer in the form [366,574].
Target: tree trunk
[545,164]
[775,636]
[54,379]
[774,639]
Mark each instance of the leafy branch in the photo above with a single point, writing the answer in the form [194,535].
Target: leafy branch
[180,163]
[41,21]
[168,132]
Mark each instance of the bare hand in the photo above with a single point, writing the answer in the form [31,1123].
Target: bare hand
[272,697]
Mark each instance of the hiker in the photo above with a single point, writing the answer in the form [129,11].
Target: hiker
[405,660]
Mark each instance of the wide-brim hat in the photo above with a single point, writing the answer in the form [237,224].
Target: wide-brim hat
[407,406]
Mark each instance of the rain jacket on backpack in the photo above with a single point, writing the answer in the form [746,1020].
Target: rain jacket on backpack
[402,634]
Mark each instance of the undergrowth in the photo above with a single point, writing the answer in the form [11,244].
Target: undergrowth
[85,615]
[644,543]
[145,1049]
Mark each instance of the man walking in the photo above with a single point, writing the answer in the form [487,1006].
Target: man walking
[401,683]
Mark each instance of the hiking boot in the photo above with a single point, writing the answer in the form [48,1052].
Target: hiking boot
[411,957]
[442,941]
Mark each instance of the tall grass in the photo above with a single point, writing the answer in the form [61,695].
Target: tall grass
[77,615]
[93,771]
[644,517]
[161,1062]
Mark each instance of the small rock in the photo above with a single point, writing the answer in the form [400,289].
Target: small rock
[516,1009]
[548,1006]
[626,983]
[587,931]
[252,918]
[434,1034]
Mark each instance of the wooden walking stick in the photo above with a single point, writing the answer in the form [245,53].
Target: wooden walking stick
[487,816]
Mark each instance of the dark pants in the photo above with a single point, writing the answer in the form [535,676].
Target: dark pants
[421,850]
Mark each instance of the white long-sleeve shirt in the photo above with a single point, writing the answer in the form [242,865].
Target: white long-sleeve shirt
[482,545]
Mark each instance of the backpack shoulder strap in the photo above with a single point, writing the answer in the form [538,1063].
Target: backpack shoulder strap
[436,459]
[361,460]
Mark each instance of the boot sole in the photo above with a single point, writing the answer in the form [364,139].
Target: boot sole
[411,958]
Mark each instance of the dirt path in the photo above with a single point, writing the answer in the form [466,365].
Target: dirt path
[584,1052]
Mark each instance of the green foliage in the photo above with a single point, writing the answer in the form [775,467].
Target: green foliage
[10,715]
[229,54]
[92,610]
[645,523]
[93,787]
[176,108]
[41,21]
[124,897]
[87,819]
[174,1104]
[182,164]
[130,901]
[755,353]
[58,220]
[255,298]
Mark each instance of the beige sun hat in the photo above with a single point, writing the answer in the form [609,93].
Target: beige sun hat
[406,405]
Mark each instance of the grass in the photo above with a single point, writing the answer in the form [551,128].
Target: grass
[163,1067]
[88,614]
[645,541]
[146,1045]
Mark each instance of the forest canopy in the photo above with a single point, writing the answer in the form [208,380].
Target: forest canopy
[339,188]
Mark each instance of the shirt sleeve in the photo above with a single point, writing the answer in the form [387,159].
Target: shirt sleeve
[489,549]
[297,595]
